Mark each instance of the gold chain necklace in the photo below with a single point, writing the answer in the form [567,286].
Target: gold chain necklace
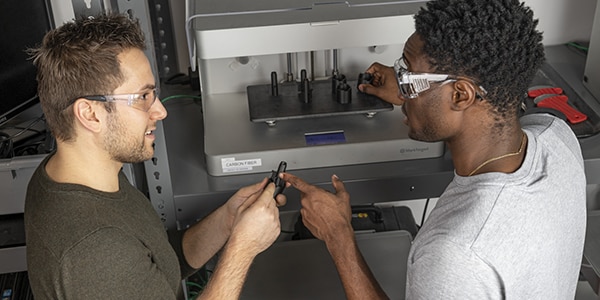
[501,156]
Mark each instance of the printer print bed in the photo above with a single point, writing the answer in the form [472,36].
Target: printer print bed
[290,102]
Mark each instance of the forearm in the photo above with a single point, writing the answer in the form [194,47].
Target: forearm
[205,238]
[356,277]
[229,276]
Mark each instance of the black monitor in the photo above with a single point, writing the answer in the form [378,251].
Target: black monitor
[23,24]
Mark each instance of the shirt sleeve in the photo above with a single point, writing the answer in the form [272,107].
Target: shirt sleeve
[445,270]
[109,264]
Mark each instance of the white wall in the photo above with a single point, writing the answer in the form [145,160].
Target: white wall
[564,20]
[561,21]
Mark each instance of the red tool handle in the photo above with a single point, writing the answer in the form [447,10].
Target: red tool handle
[559,102]
[543,91]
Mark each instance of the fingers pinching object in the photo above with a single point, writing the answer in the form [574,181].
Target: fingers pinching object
[279,183]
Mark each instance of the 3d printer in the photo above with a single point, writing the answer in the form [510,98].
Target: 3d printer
[279,82]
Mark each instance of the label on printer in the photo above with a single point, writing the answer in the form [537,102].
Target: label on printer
[231,165]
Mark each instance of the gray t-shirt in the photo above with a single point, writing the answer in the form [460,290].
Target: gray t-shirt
[508,236]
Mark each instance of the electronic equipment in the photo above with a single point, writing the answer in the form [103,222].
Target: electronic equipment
[370,218]
[279,82]
[591,76]
[23,24]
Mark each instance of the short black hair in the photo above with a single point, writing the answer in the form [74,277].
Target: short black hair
[493,41]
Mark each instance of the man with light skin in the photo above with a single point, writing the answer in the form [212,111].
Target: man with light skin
[89,233]
[506,227]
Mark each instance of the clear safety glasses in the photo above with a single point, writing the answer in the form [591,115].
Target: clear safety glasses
[411,84]
[142,101]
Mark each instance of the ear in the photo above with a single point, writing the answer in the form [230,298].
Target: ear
[464,94]
[87,114]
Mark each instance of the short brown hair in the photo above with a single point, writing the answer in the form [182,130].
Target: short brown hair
[79,59]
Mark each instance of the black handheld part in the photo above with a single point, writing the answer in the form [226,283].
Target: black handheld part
[364,78]
[274,85]
[279,183]
[344,93]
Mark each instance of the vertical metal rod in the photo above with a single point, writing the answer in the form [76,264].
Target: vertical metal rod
[274,85]
[302,80]
[312,65]
[306,92]
[335,70]
[290,73]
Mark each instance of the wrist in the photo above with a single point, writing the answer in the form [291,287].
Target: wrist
[228,217]
[240,249]
[229,275]
[339,237]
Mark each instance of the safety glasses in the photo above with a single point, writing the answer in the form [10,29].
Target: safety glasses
[141,101]
[411,84]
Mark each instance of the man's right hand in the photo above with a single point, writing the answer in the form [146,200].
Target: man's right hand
[384,84]
[327,215]
[257,225]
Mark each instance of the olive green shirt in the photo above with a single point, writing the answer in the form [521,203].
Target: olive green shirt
[87,244]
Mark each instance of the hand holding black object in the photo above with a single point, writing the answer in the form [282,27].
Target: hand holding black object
[279,183]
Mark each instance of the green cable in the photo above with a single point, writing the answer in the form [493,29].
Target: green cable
[191,283]
[194,295]
[578,46]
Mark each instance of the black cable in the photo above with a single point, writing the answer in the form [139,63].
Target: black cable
[7,142]
[27,149]
[178,78]
[23,128]
[424,211]
[6,145]
[28,127]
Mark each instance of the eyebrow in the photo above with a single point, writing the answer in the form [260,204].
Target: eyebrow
[147,87]
[405,61]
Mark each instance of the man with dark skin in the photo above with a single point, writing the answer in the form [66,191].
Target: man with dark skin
[505,227]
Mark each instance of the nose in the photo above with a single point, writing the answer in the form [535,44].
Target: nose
[157,110]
